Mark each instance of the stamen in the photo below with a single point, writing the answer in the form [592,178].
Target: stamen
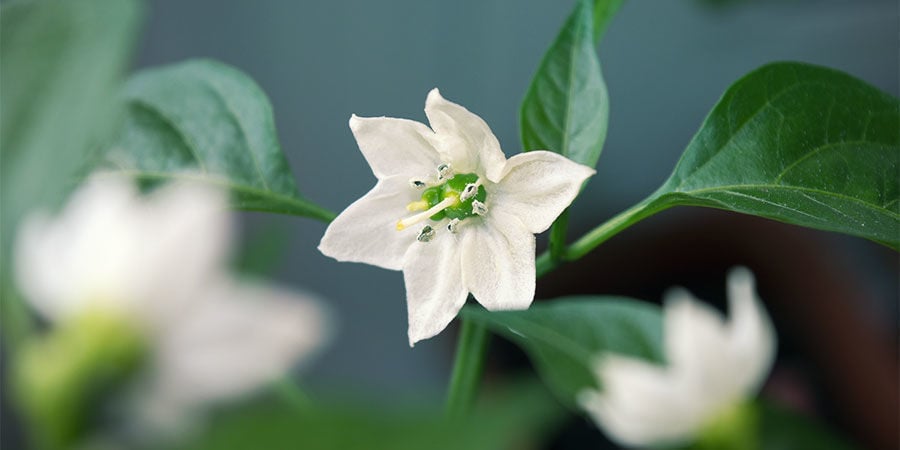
[444,171]
[479,208]
[469,191]
[426,235]
[420,205]
[446,203]
[453,226]
[417,184]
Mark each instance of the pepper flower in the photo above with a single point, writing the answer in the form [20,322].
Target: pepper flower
[452,212]
[714,367]
[152,271]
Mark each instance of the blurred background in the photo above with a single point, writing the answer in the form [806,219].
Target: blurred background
[834,299]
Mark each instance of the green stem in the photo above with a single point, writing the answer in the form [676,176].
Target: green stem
[288,390]
[467,367]
[649,206]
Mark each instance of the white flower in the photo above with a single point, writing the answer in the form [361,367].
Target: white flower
[451,211]
[158,263]
[713,367]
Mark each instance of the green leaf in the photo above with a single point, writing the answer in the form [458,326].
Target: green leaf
[800,144]
[62,62]
[793,142]
[604,10]
[563,337]
[566,108]
[520,416]
[205,121]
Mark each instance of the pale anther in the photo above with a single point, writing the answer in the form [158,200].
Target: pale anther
[444,171]
[479,208]
[468,192]
[426,235]
[453,226]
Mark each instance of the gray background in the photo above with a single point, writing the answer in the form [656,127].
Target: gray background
[665,62]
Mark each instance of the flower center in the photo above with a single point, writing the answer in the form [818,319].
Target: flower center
[457,197]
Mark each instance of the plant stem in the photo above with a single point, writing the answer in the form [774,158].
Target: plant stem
[288,390]
[649,206]
[467,367]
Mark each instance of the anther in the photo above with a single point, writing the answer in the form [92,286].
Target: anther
[426,235]
[444,171]
[417,184]
[468,192]
[479,208]
[453,226]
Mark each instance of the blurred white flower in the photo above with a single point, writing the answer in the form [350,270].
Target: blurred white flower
[158,263]
[714,366]
[452,212]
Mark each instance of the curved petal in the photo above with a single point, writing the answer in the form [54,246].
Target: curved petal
[699,349]
[367,232]
[537,186]
[498,262]
[753,338]
[464,138]
[84,253]
[185,242]
[233,340]
[395,146]
[434,286]
[642,404]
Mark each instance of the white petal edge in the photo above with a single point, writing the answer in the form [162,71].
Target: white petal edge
[237,338]
[464,138]
[695,337]
[395,147]
[62,262]
[434,286]
[498,262]
[185,242]
[752,336]
[366,231]
[537,186]
[641,404]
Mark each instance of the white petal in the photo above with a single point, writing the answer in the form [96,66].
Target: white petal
[110,248]
[234,340]
[464,138]
[81,255]
[694,335]
[434,286]
[641,404]
[367,232]
[753,338]
[395,146]
[537,186]
[498,262]
[185,243]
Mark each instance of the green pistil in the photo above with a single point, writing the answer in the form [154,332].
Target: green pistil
[454,188]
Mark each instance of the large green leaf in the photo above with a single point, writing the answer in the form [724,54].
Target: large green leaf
[520,416]
[205,121]
[564,337]
[800,144]
[792,142]
[566,108]
[60,71]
